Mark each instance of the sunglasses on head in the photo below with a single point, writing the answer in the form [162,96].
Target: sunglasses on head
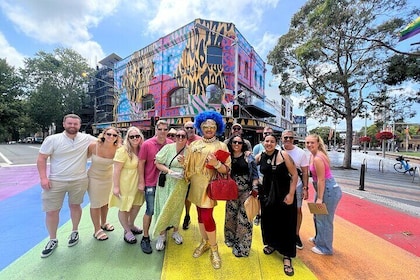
[181,136]
[134,136]
[288,137]
[237,142]
[110,134]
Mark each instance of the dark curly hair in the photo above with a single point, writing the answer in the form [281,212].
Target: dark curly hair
[212,115]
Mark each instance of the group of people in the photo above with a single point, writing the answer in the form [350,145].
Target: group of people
[124,174]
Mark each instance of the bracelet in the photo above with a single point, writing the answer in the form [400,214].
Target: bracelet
[218,165]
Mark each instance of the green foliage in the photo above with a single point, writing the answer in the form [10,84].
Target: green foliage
[330,56]
[11,102]
[56,85]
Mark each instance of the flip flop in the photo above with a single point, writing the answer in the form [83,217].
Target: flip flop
[107,227]
[100,235]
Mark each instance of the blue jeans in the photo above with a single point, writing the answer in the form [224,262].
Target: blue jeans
[149,195]
[324,223]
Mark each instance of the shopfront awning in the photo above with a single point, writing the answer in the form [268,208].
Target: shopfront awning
[258,112]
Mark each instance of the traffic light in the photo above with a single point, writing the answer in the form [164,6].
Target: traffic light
[153,121]
[236,111]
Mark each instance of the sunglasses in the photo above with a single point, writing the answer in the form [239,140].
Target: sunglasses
[181,136]
[134,136]
[288,137]
[189,127]
[267,133]
[171,135]
[110,134]
[237,142]
[210,127]
[236,128]
[164,129]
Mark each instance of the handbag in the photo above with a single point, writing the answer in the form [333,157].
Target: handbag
[222,187]
[162,175]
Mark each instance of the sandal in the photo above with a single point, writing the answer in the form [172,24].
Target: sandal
[288,268]
[129,237]
[107,227]
[268,250]
[100,235]
[136,230]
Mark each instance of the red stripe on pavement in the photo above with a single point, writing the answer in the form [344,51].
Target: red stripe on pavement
[396,227]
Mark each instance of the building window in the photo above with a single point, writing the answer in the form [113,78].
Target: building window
[283,108]
[214,94]
[239,64]
[179,97]
[246,70]
[214,55]
[148,102]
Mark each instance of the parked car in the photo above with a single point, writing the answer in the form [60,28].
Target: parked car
[38,140]
[28,140]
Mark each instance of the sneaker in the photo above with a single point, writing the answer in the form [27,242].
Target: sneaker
[317,251]
[160,243]
[299,244]
[257,220]
[186,224]
[49,248]
[312,239]
[73,239]
[145,245]
[177,237]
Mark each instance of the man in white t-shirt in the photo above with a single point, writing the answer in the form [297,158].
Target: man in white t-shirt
[302,164]
[67,152]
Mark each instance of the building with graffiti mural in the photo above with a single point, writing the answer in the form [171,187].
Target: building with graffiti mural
[204,65]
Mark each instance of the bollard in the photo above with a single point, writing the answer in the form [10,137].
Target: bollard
[362,177]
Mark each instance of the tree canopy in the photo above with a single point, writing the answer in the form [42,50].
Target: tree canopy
[331,56]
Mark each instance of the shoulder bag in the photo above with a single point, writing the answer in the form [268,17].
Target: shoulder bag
[162,175]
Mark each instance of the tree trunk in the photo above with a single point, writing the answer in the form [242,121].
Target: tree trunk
[349,142]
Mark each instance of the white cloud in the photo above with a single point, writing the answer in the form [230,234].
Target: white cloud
[12,56]
[65,23]
[171,14]
[267,43]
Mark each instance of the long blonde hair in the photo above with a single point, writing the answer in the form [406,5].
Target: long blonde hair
[127,144]
[321,145]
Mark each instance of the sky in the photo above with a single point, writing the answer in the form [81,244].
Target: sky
[97,28]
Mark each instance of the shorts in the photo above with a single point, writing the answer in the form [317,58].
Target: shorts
[149,195]
[52,199]
[299,194]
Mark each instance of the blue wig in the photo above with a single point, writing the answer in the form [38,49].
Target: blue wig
[212,115]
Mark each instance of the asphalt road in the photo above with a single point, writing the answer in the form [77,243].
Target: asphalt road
[17,154]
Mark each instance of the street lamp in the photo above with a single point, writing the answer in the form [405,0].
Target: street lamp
[234,43]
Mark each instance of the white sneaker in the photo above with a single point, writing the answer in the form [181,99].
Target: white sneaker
[317,251]
[312,239]
[177,237]
[160,243]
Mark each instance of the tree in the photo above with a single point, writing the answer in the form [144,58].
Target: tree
[403,68]
[55,85]
[11,103]
[331,56]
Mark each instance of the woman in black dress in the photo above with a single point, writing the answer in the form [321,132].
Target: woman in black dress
[278,202]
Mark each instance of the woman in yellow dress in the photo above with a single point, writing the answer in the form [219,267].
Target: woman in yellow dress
[102,153]
[201,166]
[125,194]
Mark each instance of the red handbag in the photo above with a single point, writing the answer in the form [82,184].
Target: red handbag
[222,187]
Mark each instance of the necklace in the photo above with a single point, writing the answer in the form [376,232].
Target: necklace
[209,140]
[270,158]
